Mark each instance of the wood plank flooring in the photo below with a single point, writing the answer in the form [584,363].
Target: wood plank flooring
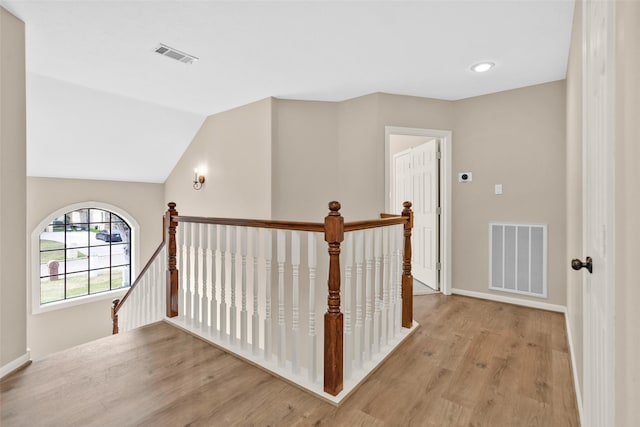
[471,363]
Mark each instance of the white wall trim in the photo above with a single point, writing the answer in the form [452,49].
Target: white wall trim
[15,364]
[34,263]
[445,192]
[511,300]
[576,385]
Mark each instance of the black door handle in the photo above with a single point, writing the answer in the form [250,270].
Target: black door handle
[576,264]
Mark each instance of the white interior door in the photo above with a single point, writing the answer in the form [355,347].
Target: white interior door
[402,180]
[416,180]
[598,194]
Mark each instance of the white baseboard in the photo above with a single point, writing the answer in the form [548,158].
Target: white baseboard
[510,300]
[15,364]
[576,385]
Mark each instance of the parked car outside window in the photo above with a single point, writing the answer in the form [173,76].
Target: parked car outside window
[109,236]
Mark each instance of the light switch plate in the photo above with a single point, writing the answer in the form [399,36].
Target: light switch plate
[498,188]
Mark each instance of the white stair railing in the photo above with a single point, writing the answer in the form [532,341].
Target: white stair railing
[297,305]
[145,299]
[251,287]
[377,249]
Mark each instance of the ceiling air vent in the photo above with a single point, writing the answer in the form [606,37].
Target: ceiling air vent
[185,58]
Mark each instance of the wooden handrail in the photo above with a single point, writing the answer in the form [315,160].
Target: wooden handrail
[117,303]
[374,223]
[259,223]
[386,220]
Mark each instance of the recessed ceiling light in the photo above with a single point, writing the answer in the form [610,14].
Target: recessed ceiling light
[481,67]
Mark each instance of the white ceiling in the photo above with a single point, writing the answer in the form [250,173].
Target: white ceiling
[97,57]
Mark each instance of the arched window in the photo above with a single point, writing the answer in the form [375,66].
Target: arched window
[83,252]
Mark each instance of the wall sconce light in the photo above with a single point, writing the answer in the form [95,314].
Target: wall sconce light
[198,180]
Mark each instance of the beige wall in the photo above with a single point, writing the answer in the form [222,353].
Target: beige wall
[361,154]
[305,164]
[13,335]
[514,138]
[574,192]
[56,330]
[627,219]
[234,149]
[322,151]
[358,159]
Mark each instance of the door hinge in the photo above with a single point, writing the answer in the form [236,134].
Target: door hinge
[438,266]
[438,210]
[438,155]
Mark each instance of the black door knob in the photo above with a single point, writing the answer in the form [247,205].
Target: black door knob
[576,264]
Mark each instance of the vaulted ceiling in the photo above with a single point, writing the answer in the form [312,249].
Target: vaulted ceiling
[101,104]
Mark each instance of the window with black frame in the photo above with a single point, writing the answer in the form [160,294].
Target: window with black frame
[84,252]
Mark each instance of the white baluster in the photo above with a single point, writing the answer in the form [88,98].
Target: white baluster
[134,314]
[153,291]
[281,254]
[144,306]
[398,285]
[386,276]
[393,241]
[348,335]
[160,288]
[255,327]
[359,250]
[135,311]
[181,262]
[377,246]
[243,306]
[223,281]
[368,317]
[313,345]
[233,321]
[162,279]
[188,311]
[196,273]
[268,253]
[295,314]
[213,303]
[204,301]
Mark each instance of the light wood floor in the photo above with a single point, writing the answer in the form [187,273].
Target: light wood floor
[471,363]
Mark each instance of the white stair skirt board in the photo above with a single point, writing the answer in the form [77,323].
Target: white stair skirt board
[285,372]
[420,288]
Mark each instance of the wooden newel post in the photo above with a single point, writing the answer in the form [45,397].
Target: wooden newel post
[114,315]
[407,277]
[172,270]
[333,321]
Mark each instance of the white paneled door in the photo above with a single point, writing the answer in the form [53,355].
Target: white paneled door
[598,141]
[416,180]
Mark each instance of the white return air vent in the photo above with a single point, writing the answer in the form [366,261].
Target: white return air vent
[170,52]
[518,258]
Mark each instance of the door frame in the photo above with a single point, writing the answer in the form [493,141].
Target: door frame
[444,183]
